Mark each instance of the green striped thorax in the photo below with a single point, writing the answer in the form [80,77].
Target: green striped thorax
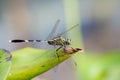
[59,41]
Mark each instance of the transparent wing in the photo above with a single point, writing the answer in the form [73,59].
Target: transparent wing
[50,36]
[68,30]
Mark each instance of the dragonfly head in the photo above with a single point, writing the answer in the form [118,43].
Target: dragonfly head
[68,41]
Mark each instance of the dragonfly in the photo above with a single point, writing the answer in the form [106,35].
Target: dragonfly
[58,40]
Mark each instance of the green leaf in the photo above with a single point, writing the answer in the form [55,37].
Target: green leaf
[100,67]
[30,62]
[5,63]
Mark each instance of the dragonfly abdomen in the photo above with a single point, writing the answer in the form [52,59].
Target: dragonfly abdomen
[20,41]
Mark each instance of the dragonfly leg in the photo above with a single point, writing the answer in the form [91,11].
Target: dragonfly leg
[59,48]
[57,52]
[62,46]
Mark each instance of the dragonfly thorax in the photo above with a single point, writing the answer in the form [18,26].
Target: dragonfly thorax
[59,41]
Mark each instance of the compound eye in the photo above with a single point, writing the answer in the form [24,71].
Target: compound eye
[69,40]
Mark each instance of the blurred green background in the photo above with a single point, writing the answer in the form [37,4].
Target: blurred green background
[98,33]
